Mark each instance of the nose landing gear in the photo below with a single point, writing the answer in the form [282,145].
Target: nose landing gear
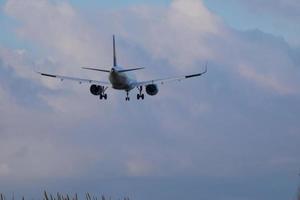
[103,95]
[127,96]
[140,95]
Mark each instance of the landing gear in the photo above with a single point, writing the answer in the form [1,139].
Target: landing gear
[103,95]
[127,96]
[140,95]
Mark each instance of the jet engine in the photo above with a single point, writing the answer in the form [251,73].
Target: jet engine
[152,89]
[96,89]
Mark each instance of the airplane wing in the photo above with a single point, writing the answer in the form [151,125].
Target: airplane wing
[170,79]
[79,80]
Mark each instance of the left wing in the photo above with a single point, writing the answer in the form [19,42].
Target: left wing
[170,79]
[79,80]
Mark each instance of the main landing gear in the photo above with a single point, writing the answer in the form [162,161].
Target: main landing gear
[140,95]
[103,95]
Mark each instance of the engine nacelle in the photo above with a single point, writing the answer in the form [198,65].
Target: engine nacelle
[152,89]
[96,89]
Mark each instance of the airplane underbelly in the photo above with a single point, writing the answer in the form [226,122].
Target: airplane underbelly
[119,82]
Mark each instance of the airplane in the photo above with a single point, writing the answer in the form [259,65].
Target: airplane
[119,80]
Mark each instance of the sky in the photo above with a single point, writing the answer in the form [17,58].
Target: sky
[233,134]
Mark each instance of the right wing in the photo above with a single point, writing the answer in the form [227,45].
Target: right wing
[177,78]
[79,80]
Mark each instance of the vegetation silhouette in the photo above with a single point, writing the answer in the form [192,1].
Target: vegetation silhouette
[59,196]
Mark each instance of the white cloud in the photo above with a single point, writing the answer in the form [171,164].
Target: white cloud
[58,27]
[177,34]
[185,38]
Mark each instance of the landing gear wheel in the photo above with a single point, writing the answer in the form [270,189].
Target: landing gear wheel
[105,96]
[127,99]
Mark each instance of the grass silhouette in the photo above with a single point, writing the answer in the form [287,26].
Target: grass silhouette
[59,196]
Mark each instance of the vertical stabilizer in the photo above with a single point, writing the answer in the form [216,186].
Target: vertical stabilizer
[114,51]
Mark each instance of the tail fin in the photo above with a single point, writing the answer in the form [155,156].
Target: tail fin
[114,51]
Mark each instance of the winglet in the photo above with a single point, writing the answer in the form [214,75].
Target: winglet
[48,75]
[199,74]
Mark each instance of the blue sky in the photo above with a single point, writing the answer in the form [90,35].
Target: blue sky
[232,134]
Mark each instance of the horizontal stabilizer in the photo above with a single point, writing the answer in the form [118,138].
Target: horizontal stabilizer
[117,70]
[95,69]
[128,70]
